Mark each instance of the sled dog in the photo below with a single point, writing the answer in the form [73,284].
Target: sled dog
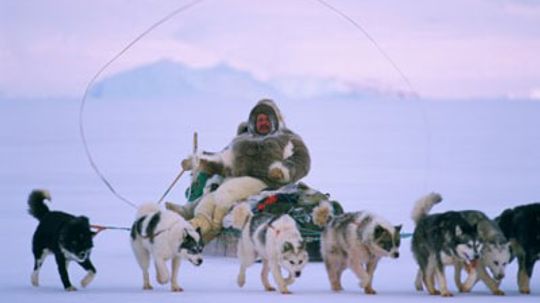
[441,239]
[495,254]
[164,235]
[273,238]
[357,240]
[68,237]
[521,225]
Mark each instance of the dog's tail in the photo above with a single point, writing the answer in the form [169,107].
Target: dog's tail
[146,209]
[322,214]
[423,206]
[241,215]
[36,203]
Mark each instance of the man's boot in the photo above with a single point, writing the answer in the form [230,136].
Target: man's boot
[186,211]
[207,229]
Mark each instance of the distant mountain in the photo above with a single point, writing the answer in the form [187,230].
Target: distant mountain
[169,79]
[166,78]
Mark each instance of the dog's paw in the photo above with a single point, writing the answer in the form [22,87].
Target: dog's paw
[176,288]
[286,292]
[269,288]
[241,280]
[337,288]
[147,287]
[70,288]
[435,293]
[364,283]
[446,294]
[35,279]
[87,279]
[525,291]
[370,291]
[498,292]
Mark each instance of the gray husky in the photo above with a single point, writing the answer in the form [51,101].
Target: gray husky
[275,239]
[495,254]
[439,240]
[357,240]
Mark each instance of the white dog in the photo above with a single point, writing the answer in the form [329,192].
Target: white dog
[273,238]
[164,235]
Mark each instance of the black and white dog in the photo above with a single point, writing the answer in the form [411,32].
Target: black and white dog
[273,238]
[441,239]
[68,237]
[164,235]
[521,225]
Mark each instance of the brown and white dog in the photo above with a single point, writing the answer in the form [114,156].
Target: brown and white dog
[355,240]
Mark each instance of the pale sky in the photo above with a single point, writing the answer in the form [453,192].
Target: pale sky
[447,49]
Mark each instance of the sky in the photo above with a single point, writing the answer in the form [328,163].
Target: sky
[457,49]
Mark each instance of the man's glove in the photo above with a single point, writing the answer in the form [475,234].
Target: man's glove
[187,163]
[276,174]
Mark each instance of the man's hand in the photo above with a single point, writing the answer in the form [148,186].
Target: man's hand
[187,163]
[276,174]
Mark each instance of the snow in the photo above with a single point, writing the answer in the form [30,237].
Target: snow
[379,155]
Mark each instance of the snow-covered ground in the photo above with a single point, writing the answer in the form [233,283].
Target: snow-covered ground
[375,155]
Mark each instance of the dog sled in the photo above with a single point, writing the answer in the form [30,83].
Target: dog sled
[297,200]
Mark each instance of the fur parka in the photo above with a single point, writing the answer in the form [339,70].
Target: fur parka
[277,158]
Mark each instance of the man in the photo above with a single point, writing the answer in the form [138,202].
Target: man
[264,155]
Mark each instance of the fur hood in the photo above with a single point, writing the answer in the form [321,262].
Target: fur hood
[264,106]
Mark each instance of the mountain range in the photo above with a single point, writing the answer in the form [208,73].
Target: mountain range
[169,79]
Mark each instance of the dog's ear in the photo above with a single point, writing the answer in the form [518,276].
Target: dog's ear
[287,246]
[398,228]
[84,220]
[198,230]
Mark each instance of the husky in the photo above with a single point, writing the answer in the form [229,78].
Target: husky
[164,235]
[357,240]
[68,237]
[495,254]
[439,240]
[275,239]
[521,225]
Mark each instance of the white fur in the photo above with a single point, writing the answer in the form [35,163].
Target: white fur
[288,150]
[279,165]
[424,205]
[88,278]
[35,273]
[271,251]
[169,234]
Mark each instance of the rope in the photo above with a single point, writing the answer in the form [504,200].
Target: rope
[171,186]
[188,6]
[100,228]
[405,79]
[372,40]
[93,164]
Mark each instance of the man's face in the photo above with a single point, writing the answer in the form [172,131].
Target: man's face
[263,124]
